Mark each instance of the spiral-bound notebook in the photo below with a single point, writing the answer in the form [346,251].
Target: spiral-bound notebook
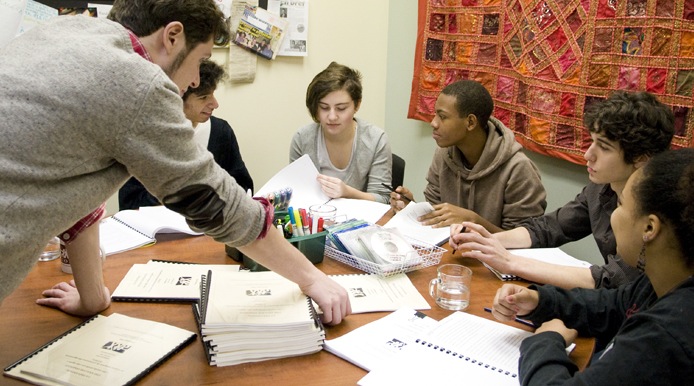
[130,229]
[376,342]
[103,350]
[165,281]
[463,347]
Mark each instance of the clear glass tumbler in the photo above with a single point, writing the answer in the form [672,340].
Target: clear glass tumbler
[52,250]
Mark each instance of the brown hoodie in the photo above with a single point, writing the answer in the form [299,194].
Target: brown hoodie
[504,187]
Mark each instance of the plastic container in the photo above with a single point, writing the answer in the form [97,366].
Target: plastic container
[429,254]
[312,246]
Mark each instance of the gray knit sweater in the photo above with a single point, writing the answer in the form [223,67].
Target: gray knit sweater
[371,162]
[80,112]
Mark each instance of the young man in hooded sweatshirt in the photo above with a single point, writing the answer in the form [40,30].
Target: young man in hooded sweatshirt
[478,173]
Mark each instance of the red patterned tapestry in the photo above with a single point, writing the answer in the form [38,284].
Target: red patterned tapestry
[544,62]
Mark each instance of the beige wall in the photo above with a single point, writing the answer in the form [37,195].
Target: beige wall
[377,38]
[266,113]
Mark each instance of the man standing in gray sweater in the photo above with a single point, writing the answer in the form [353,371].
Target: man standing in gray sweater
[87,103]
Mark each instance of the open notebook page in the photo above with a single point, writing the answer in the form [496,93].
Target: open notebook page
[487,353]
[406,222]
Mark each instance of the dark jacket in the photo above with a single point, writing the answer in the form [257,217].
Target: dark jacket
[651,340]
[589,213]
[225,150]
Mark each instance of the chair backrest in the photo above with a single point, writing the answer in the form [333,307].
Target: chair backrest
[398,171]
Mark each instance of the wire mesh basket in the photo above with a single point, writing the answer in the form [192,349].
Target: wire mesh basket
[428,255]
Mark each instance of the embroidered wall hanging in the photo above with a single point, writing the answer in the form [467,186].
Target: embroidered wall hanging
[544,62]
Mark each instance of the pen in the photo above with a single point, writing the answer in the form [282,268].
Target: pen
[461,231]
[519,320]
[393,190]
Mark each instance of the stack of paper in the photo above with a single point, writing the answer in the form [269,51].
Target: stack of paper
[255,316]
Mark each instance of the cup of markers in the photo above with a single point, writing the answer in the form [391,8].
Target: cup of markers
[298,223]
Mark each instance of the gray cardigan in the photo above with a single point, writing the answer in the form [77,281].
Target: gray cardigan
[82,112]
[371,162]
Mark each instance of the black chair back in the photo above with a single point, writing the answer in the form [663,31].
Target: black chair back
[398,171]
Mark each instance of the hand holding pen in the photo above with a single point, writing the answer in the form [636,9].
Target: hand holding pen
[462,230]
[516,319]
[402,196]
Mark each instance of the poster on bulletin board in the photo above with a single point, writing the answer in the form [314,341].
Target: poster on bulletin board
[295,42]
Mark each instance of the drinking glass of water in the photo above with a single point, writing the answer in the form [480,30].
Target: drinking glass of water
[52,250]
[451,287]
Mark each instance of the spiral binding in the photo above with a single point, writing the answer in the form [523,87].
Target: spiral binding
[131,227]
[204,295]
[314,314]
[466,358]
[134,380]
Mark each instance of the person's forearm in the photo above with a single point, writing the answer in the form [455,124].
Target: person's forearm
[487,225]
[278,255]
[86,264]
[351,192]
[514,238]
[557,275]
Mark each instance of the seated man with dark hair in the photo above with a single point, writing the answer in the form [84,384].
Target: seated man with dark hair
[479,172]
[212,132]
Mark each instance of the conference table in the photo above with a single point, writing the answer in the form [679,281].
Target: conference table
[24,325]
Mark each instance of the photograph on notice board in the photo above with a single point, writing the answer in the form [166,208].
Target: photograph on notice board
[260,31]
